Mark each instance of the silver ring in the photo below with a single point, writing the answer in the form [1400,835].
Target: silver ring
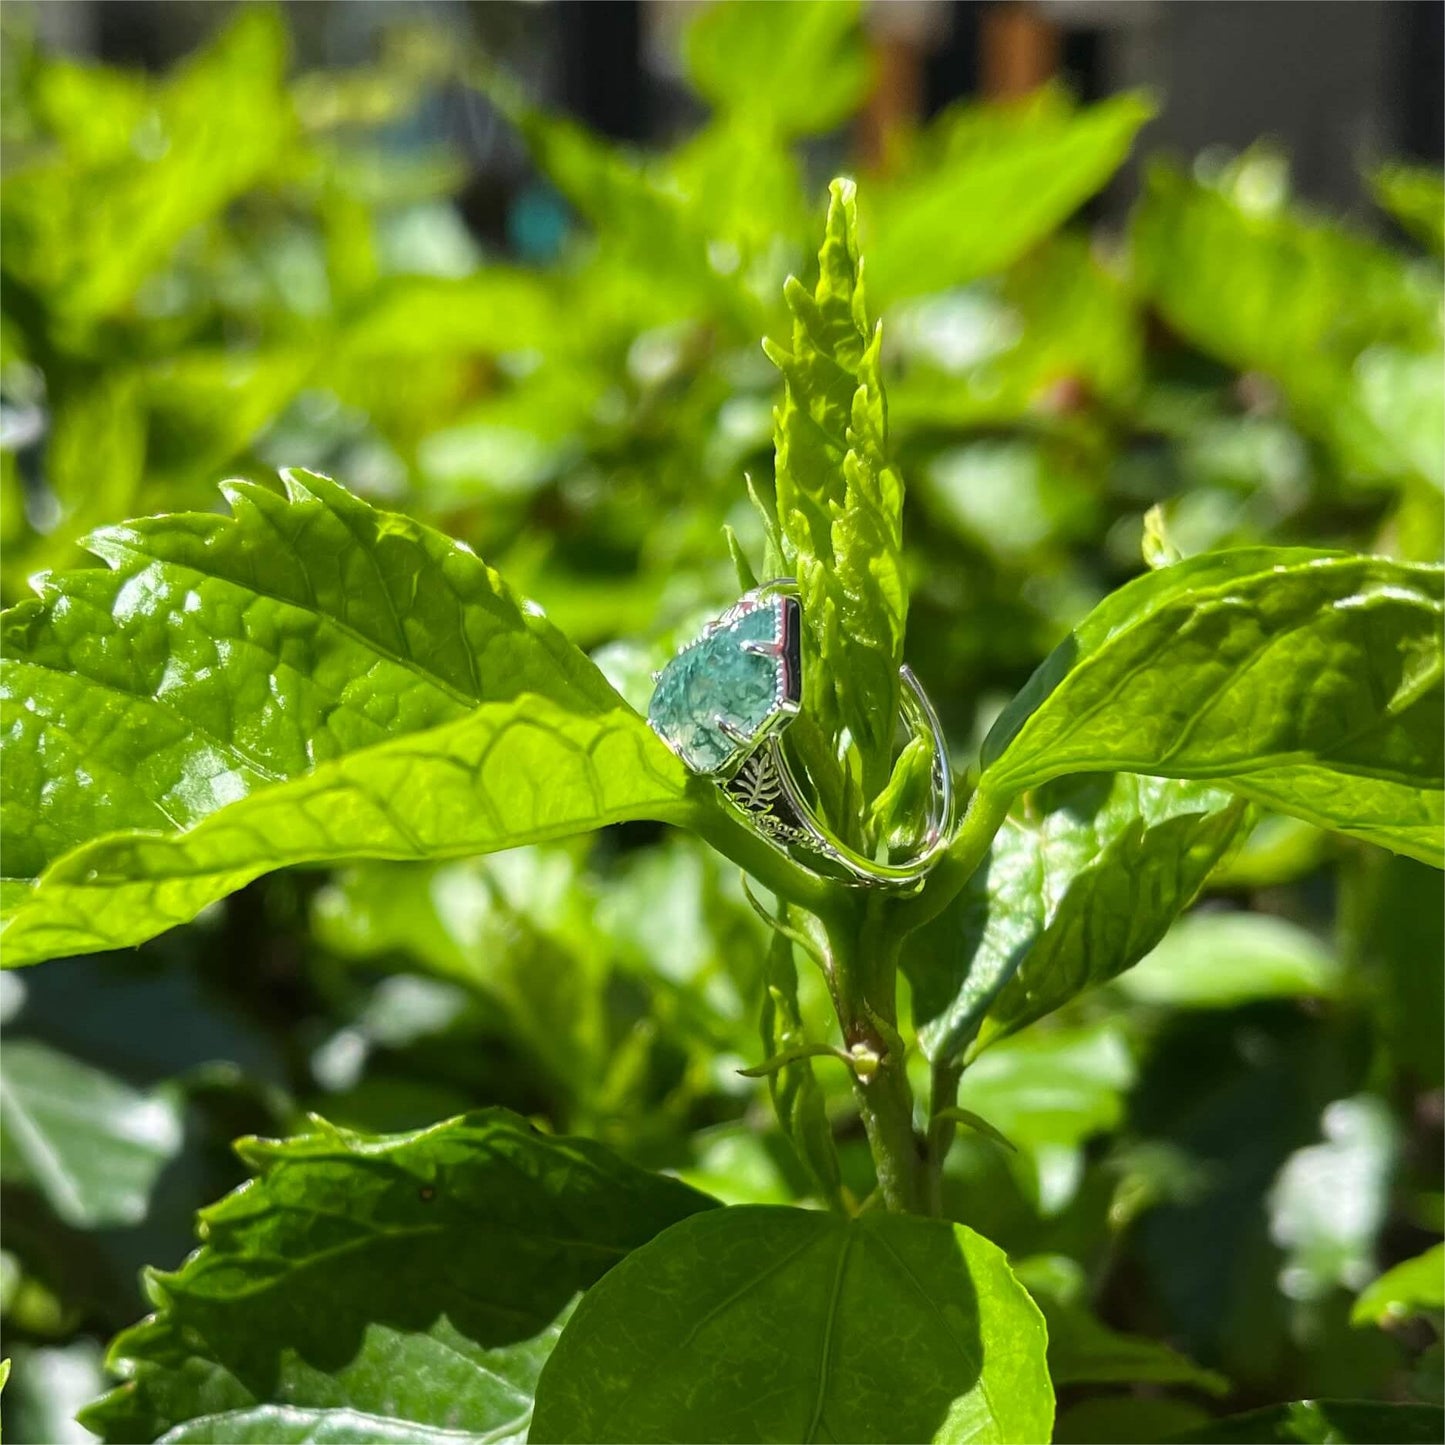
[722,704]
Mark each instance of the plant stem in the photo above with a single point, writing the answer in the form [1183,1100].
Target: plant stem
[864,947]
[885,1103]
[982,819]
[942,1096]
[755,855]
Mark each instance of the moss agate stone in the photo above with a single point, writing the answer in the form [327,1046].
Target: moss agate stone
[742,674]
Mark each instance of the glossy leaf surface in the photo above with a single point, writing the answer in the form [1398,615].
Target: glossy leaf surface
[1311,682]
[1077,886]
[306,681]
[414,1278]
[912,1330]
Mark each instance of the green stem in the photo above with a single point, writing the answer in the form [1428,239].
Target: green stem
[943,1095]
[864,948]
[755,855]
[885,1103]
[982,819]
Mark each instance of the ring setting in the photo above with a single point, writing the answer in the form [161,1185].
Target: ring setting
[721,705]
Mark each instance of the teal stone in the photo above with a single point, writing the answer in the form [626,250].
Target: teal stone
[716,679]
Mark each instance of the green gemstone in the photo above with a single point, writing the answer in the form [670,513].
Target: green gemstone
[716,681]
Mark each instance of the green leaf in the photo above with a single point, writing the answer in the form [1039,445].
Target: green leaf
[1085,1351]
[1415,197]
[93,1146]
[988,183]
[762,1323]
[1325,1422]
[797,1098]
[87,228]
[1279,850]
[1049,1091]
[979,1125]
[1127,1420]
[1402,922]
[1078,885]
[840,504]
[95,459]
[1309,305]
[691,234]
[797,69]
[307,681]
[1060,324]
[1410,1289]
[414,1278]
[288,1425]
[1221,960]
[1308,681]
[511,927]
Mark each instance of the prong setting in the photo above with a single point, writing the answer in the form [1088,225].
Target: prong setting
[722,702]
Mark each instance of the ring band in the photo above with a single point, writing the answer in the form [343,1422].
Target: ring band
[722,704]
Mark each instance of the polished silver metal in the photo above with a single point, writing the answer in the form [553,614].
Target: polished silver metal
[759,785]
[766,793]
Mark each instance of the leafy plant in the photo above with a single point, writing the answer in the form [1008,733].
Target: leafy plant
[320,746]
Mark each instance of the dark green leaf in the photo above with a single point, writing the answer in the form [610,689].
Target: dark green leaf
[1220,960]
[840,504]
[1403,922]
[1078,886]
[514,928]
[1085,1351]
[760,1323]
[1326,1422]
[1309,681]
[989,182]
[1126,1420]
[90,1144]
[310,680]
[416,1278]
[798,69]
[1410,1289]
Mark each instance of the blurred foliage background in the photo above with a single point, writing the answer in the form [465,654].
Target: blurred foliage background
[372,240]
